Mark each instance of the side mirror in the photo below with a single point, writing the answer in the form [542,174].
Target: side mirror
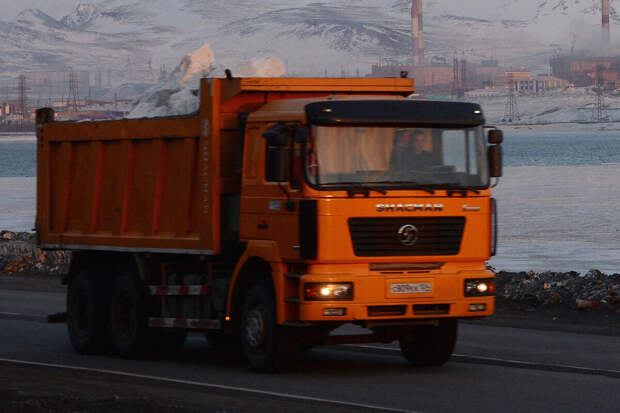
[495,161]
[277,135]
[277,164]
[496,136]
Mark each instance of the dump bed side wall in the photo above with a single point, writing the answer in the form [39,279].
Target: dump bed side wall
[130,184]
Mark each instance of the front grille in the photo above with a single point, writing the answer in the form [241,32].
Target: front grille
[386,310]
[378,237]
[431,309]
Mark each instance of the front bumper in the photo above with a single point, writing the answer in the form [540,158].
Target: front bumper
[373,299]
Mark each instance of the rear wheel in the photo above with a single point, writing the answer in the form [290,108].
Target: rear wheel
[430,345]
[129,316]
[265,344]
[87,314]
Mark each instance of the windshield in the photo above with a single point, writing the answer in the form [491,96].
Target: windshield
[389,156]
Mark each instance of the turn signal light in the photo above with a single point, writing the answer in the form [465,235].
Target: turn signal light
[480,287]
[477,307]
[328,291]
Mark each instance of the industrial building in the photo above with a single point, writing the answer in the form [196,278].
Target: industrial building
[589,70]
[583,70]
[438,75]
[535,85]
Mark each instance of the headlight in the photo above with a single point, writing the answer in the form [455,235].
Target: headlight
[480,287]
[328,291]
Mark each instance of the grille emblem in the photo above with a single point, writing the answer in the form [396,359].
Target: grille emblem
[408,235]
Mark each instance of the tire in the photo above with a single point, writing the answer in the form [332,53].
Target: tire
[87,314]
[129,330]
[263,342]
[430,345]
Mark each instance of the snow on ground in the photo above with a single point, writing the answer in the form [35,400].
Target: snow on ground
[572,105]
[14,137]
[177,94]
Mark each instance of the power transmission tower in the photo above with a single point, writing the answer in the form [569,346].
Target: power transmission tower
[459,77]
[511,110]
[456,78]
[73,91]
[23,98]
[598,113]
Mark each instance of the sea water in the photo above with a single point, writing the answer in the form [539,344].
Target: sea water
[17,181]
[558,201]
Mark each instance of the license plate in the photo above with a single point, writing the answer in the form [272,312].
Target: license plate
[410,288]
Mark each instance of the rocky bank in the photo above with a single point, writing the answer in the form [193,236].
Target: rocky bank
[20,255]
[592,290]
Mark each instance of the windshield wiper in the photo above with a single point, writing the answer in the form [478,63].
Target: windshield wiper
[410,185]
[457,187]
[364,190]
[353,188]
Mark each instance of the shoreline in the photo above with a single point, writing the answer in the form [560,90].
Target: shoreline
[24,265]
[560,126]
[569,126]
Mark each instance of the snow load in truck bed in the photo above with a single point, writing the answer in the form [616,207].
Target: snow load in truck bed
[178,93]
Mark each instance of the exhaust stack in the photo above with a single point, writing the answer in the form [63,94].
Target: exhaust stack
[417,29]
[605,9]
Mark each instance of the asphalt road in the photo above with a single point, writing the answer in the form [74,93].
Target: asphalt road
[494,369]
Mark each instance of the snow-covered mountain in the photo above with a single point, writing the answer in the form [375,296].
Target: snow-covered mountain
[131,39]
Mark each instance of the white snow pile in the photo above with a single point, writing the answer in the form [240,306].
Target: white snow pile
[173,95]
[178,94]
[266,67]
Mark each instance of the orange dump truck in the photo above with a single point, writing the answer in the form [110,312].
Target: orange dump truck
[281,210]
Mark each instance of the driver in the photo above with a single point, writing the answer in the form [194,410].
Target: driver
[408,152]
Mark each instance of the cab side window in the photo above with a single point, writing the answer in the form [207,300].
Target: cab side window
[278,153]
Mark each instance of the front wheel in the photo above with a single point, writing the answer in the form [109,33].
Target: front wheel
[430,345]
[264,343]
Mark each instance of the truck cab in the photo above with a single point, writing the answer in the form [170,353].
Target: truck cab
[379,208]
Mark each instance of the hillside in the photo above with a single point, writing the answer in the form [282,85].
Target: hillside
[134,38]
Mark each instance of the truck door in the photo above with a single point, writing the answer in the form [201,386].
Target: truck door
[269,200]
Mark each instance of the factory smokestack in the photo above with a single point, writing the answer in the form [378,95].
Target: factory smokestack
[418,36]
[605,8]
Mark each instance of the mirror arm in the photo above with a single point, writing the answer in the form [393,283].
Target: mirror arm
[290,205]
